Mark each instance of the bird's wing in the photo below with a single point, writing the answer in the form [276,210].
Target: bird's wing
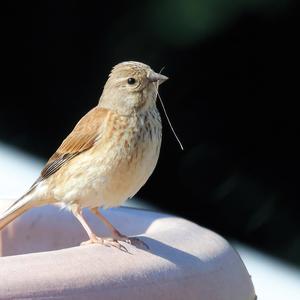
[86,132]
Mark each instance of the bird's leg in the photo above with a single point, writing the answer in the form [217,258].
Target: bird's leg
[117,236]
[115,233]
[77,212]
[94,239]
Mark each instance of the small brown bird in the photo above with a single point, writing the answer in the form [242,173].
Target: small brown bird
[108,156]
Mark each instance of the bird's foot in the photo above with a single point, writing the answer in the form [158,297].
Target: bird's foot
[114,243]
[130,240]
[108,242]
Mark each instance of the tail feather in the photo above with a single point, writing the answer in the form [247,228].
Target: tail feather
[15,210]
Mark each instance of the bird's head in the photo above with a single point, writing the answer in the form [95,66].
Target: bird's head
[131,86]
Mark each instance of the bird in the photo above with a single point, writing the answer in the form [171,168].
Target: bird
[107,157]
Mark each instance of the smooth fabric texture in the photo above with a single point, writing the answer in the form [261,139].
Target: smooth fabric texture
[42,259]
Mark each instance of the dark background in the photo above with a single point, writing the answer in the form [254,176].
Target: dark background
[232,97]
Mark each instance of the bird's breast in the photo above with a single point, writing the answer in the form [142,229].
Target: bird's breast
[117,166]
[126,156]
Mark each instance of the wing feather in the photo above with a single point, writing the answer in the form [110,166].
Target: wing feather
[82,138]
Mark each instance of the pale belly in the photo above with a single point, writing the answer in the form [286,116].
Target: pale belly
[130,175]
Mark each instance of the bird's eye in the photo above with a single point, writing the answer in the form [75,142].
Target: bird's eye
[131,80]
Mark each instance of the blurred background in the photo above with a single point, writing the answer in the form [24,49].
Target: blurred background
[232,98]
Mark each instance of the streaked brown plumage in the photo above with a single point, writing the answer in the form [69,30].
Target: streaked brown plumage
[108,156]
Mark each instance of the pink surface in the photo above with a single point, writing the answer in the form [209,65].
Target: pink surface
[185,261]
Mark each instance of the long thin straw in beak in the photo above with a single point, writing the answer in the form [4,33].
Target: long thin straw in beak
[158,77]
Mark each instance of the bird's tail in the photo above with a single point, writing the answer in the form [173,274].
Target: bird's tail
[16,209]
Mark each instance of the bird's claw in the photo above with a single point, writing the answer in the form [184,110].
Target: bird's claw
[114,243]
[108,242]
[134,241]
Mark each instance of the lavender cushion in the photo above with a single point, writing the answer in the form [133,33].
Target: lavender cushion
[42,259]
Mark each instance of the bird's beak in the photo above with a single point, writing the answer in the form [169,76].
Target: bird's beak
[156,77]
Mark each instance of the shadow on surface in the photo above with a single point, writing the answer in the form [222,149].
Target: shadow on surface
[174,255]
